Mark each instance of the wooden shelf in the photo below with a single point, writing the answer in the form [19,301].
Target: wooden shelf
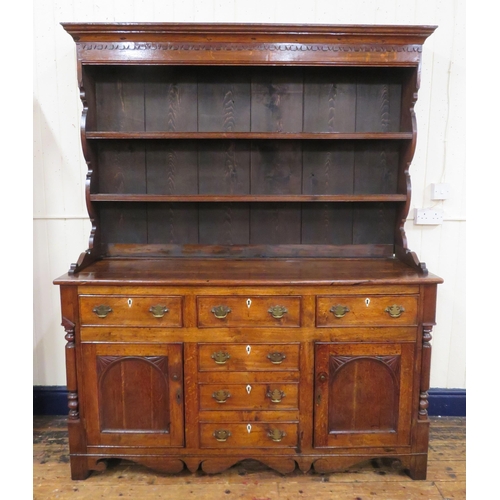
[248,198]
[251,135]
[152,270]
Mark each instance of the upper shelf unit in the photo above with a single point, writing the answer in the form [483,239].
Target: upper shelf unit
[246,102]
[249,141]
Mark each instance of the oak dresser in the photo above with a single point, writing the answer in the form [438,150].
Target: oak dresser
[248,291]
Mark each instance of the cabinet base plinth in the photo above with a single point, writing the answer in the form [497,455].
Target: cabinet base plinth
[415,466]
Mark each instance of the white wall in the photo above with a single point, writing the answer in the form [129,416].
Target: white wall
[60,223]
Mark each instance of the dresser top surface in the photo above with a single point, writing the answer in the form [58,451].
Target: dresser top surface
[247,272]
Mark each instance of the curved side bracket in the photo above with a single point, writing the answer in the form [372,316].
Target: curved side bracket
[401,250]
[92,253]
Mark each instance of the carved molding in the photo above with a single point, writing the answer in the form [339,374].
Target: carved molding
[392,362]
[239,47]
[158,362]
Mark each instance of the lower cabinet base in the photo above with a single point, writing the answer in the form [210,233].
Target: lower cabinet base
[83,465]
[340,381]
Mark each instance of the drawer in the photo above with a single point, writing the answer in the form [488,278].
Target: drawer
[243,311]
[243,435]
[336,310]
[248,357]
[115,310]
[272,396]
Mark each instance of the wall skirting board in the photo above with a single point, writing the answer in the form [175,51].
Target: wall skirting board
[53,400]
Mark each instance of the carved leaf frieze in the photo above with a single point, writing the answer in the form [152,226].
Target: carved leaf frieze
[238,47]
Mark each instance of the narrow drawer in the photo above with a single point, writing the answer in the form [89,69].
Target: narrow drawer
[243,311]
[248,357]
[115,310]
[336,310]
[272,396]
[254,435]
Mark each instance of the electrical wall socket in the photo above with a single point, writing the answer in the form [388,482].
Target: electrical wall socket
[440,191]
[428,216]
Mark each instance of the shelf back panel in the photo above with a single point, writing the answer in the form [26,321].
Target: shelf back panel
[248,99]
[254,224]
[231,167]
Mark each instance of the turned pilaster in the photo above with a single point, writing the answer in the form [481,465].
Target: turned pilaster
[425,373]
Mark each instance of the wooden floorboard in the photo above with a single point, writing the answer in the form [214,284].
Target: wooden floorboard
[249,480]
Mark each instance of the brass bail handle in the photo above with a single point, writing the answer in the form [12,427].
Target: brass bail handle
[276,395]
[221,435]
[276,435]
[276,357]
[220,357]
[339,311]
[158,311]
[395,311]
[220,312]
[102,311]
[221,396]
[277,312]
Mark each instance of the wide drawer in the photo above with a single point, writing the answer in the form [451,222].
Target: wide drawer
[272,396]
[248,357]
[335,310]
[115,310]
[243,435]
[242,311]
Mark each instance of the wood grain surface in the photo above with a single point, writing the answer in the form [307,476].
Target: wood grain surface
[446,478]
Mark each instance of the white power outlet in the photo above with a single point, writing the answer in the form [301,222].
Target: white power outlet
[440,191]
[428,216]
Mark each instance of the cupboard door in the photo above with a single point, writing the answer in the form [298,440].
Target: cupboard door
[363,394]
[134,394]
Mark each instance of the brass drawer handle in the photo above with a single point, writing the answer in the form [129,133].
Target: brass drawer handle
[395,311]
[277,312]
[158,311]
[276,395]
[102,311]
[221,396]
[221,435]
[276,357]
[339,311]
[220,357]
[276,435]
[220,312]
